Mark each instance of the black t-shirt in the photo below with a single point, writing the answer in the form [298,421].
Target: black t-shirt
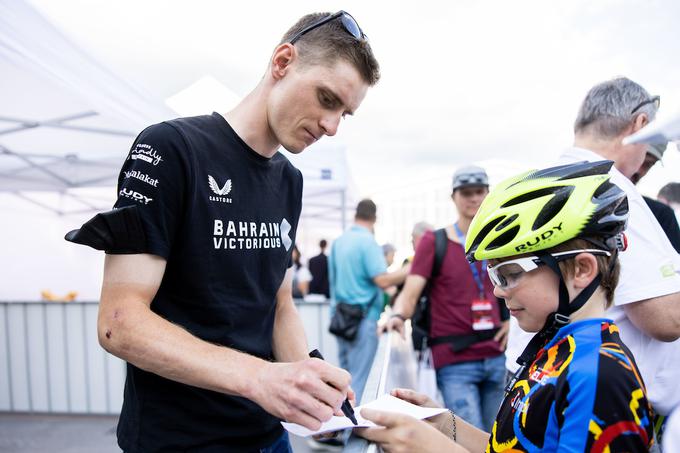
[318,267]
[225,219]
[665,215]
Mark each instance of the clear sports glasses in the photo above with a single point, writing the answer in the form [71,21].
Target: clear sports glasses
[507,275]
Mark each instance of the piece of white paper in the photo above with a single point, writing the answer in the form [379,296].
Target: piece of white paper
[387,403]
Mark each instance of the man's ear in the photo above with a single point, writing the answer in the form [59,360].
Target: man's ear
[640,121]
[283,57]
[585,269]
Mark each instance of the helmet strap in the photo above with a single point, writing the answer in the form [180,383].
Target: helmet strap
[567,307]
[556,320]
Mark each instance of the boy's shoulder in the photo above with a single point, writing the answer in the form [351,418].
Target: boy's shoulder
[598,351]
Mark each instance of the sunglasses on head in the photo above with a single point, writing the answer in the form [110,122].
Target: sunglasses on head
[479,178]
[656,100]
[348,22]
[507,275]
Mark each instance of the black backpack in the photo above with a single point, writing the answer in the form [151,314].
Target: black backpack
[420,321]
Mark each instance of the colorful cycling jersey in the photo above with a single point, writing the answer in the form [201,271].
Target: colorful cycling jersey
[583,392]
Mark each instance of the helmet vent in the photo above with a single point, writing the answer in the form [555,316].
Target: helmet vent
[506,222]
[553,207]
[484,232]
[531,196]
[602,189]
[504,238]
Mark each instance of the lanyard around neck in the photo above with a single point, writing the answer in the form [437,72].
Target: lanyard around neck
[479,279]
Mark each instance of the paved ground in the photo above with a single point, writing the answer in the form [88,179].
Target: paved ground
[24,433]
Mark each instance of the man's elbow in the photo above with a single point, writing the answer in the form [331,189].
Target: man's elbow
[113,332]
[658,318]
[667,327]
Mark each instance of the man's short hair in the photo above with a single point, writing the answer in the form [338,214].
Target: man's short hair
[607,109]
[421,228]
[670,192]
[323,243]
[388,248]
[325,44]
[366,210]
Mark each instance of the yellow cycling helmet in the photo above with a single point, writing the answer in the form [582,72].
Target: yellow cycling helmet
[540,209]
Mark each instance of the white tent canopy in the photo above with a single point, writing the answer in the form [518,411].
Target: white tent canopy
[66,124]
[65,119]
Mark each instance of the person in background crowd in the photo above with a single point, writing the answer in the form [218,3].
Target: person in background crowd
[301,276]
[318,266]
[662,212]
[467,335]
[419,230]
[388,252]
[196,295]
[389,293]
[670,194]
[358,274]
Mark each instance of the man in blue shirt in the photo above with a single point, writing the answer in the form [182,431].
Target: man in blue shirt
[358,274]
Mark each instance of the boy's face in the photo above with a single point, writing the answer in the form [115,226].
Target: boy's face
[533,299]
[311,100]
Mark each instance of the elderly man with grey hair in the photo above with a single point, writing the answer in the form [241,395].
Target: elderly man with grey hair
[419,230]
[647,299]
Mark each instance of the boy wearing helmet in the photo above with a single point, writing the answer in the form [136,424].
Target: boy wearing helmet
[551,238]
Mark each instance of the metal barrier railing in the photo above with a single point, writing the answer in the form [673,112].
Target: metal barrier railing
[393,366]
[51,360]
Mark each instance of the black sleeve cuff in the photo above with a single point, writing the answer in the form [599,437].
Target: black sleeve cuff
[118,231]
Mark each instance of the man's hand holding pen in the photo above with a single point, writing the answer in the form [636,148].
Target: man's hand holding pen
[308,392]
[347,406]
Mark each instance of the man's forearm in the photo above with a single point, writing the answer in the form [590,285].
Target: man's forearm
[393,278]
[405,304]
[289,338]
[658,317]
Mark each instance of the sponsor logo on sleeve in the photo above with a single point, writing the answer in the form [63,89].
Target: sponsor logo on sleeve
[142,177]
[221,192]
[147,153]
[235,235]
[668,270]
[133,195]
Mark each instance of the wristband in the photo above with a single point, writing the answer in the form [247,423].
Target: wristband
[453,425]
[398,315]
